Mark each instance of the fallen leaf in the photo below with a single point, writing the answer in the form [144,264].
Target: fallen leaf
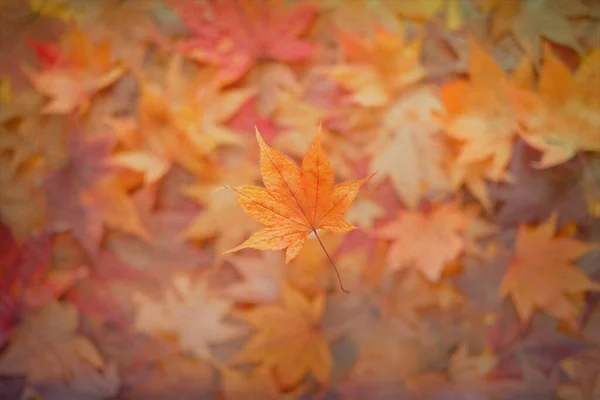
[95,194]
[530,21]
[236,35]
[364,212]
[481,116]
[288,339]
[415,233]
[164,250]
[128,25]
[81,70]
[536,193]
[563,118]
[49,351]
[248,118]
[148,164]
[375,70]
[220,213]
[262,279]
[546,259]
[190,313]
[183,121]
[413,155]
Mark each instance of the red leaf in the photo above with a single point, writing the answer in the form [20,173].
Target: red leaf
[247,120]
[26,280]
[85,165]
[235,34]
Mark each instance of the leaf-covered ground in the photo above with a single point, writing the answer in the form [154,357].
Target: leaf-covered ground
[474,268]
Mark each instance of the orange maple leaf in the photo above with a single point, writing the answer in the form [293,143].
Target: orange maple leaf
[295,201]
[481,117]
[74,75]
[377,69]
[541,274]
[562,119]
[289,339]
[415,233]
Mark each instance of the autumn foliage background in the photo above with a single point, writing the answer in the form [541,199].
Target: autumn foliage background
[475,266]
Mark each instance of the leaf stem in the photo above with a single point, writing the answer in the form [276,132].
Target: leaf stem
[331,261]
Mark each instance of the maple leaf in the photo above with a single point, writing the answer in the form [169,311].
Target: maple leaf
[76,74]
[563,118]
[535,194]
[415,233]
[27,279]
[543,345]
[152,167]
[30,144]
[377,69]
[288,339]
[94,195]
[248,118]
[235,35]
[364,212]
[546,259]
[163,250]
[412,157]
[55,358]
[221,212]
[269,79]
[189,312]
[295,116]
[127,24]
[262,279]
[480,115]
[294,201]
[584,368]
[529,21]
[97,294]
[183,121]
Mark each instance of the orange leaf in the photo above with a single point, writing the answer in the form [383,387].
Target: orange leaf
[541,274]
[529,21]
[375,70]
[563,118]
[480,115]
[78,73]
[295,201]
[415,234]
[289,339]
